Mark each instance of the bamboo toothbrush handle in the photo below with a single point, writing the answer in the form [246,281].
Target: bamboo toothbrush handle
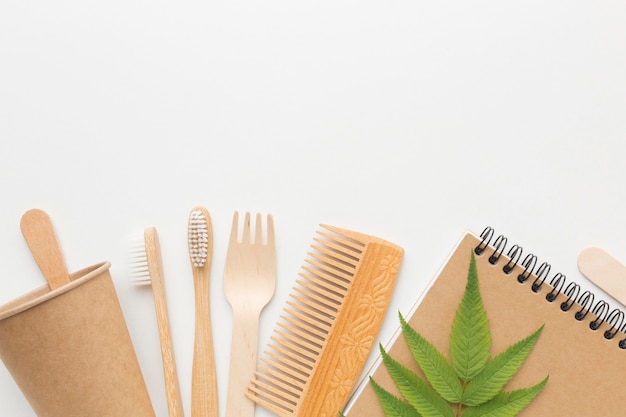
[243,357]
[203,377]
[39,234]
[174,401]
[155,264]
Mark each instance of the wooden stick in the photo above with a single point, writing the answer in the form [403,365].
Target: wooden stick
[39,234]
[155,267]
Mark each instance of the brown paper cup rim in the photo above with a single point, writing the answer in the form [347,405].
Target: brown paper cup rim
[43,294]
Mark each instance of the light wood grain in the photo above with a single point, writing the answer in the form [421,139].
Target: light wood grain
[155,269]
[329,325]
[204,390]
[249,284]
[39,234]
[601,268]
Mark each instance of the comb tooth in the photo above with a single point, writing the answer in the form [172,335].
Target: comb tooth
[316,320]
[318,298]
[324,295]
[292,354]
[289,343]
[340,276]
[310,305]
[320,285]
[330,252]
[289,360]
[302,333]
[274,393]
[298,338]
[306,326]
[324,278]
[310,321]
[267,398]
[306,345]
[344,237]
[310,312]
[284,368]
[333,263]
[265,378]
[286,379]
[322,301]
[274,385]
[273,400]
[339,247]
[322,316]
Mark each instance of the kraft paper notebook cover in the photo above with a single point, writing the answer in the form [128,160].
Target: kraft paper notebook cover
[586,368]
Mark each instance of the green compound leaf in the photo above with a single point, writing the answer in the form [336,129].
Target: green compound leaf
[392,405]
[472,385]
[438,371]
[417,392]
[499,371]
[506,404]
[470,339]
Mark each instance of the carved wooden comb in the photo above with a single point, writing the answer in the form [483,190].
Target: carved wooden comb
[330,323]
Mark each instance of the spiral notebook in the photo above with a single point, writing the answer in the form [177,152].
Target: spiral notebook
[581,348]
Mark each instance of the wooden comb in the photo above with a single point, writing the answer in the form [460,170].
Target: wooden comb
[330,323]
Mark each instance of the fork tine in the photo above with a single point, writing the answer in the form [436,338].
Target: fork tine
[270,232]
[258,232]
[246,228]
[234,230]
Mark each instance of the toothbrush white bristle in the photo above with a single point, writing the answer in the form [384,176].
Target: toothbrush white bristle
[198,238]
[138,263]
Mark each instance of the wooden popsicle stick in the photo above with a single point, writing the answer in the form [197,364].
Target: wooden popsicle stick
[39,234]
[605,271]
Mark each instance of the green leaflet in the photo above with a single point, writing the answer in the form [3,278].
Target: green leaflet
[470,340]
[499,371]
[392,405]
[438,371]
[417,393]
[472,384]
[507,404]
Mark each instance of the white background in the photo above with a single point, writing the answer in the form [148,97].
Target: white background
[409,120]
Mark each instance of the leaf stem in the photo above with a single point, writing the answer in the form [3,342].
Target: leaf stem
[460,409]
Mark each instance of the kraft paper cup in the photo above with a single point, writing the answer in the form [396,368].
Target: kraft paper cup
[70,352]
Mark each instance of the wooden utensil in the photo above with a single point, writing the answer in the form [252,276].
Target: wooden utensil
[39,234]
[147,268]
[605,271]
[329,325]
[203,375]
[249,284]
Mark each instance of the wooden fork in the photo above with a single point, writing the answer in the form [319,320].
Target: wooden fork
[249,284]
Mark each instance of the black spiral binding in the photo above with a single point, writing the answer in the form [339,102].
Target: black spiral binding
[571,292]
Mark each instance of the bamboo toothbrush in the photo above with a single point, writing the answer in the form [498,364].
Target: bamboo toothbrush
[147,269]
[329,325]
[203,377]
